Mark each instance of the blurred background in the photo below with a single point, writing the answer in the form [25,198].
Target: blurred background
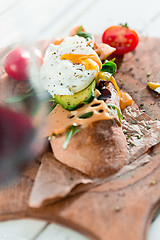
[34,20]
[39,19]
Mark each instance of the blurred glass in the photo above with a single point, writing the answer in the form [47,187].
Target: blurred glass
[21,123]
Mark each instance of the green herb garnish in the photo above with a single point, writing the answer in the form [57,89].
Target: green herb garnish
[148,74]
[109,67]
[139,136]
[70,133]
[132,144]
[118,111]
[87,36]
[117,208]
[153,182]
[80,29]
[128,136]
[24,96]
[19,98]
[86,115]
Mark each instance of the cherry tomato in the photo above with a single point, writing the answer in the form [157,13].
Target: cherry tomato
[17,62]
[122,38]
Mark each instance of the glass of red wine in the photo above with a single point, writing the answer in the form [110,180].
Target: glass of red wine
[23,106]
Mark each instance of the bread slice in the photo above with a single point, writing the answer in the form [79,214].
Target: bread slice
[98,150]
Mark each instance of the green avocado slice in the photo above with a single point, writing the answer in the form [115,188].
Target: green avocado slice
[72,102]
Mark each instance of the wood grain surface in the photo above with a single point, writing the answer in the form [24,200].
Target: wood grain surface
[121,208]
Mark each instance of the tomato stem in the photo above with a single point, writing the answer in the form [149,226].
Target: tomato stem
[124,25]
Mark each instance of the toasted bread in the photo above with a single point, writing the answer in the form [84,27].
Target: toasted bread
[98,150]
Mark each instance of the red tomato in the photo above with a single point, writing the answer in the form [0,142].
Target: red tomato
[122,38]
[17,62]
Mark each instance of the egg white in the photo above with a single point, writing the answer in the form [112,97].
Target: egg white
[62,77]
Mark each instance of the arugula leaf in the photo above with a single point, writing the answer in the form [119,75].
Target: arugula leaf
[87,36]
[110,67]
[118,111]
[113,59]
[19,98]
[86,115]
[80,29]
[22,97]
[70,133]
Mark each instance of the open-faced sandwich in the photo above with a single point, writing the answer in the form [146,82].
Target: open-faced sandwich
[84,127]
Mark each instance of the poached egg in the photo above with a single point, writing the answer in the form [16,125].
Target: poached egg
[69,67]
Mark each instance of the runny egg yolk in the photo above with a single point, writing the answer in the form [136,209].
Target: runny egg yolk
[125,100]
[91,62]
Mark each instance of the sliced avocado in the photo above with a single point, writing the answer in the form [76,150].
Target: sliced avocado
[72,102]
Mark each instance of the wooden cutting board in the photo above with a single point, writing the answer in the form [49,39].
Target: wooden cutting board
[122,208]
